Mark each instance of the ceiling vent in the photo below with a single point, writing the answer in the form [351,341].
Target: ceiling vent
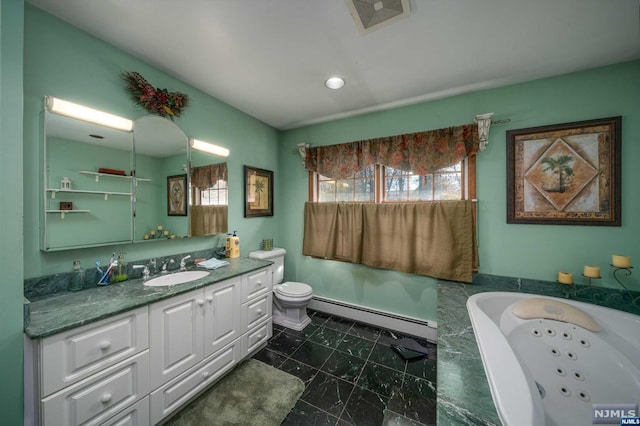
[370,15]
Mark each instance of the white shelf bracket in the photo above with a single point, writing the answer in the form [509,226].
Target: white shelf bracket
[97,178]
[484,124]
[53,194]
[62,215]
[106,197]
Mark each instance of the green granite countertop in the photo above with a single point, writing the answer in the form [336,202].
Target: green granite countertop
[58,312]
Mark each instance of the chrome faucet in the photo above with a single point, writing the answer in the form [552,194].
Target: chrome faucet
[152,264]
[183,263]
[163,267]
[145,271]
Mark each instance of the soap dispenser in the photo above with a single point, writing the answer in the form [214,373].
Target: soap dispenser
[235,246]
[120,273]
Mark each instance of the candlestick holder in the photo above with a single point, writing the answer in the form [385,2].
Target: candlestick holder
[590,278]
[569,290]
[627,272]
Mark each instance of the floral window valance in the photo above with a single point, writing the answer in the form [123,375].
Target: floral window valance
[207,176]
[419,153]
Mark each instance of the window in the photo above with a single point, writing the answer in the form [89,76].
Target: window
[217,195]
[359,188]
[382,184]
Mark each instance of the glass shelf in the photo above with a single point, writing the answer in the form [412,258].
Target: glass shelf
[64,212]
[82,191]
[98,175]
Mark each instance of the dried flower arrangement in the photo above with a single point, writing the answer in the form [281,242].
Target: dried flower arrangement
[155,100]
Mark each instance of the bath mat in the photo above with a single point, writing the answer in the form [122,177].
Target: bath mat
[253,394]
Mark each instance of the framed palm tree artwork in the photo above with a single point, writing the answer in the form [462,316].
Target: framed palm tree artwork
[565,174]
[258,191]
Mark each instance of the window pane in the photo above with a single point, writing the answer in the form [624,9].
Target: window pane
[214,196]
[327,191]
[447,186]
[361,187]
[344,190]
[365,189]
[404,186]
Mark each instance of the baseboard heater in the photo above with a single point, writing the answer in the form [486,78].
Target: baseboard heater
[404,324]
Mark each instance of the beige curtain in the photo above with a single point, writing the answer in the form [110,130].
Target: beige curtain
[208,220]
[436,239]
[333,231]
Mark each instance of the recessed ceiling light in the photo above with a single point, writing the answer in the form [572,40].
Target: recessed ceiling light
[334,83]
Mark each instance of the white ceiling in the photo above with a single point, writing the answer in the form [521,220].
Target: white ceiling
[269,58]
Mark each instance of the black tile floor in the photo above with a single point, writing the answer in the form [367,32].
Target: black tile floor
[351,375]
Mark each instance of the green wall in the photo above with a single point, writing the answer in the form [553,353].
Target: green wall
[62,61]
[528,251]
[11,261]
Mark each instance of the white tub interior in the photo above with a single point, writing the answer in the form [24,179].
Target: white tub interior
[543,371]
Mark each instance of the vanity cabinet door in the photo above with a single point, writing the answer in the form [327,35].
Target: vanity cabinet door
[222,314]
[175,339]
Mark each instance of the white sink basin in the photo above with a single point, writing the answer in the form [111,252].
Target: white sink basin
[176,278]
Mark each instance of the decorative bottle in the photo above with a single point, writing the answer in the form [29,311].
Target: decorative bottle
[120,273]
[76,281]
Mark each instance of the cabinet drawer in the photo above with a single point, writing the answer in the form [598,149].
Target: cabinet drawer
[256,284]
[136,415]
[94,400]
[71,356]
[253,339]
[175,393]
[256,311]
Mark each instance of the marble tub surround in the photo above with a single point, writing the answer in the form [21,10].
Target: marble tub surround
[55,312]
[56,283]
[464,397]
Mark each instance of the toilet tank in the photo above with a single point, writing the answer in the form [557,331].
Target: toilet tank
[276,255]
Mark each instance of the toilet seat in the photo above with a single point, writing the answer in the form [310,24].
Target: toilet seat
[293,289]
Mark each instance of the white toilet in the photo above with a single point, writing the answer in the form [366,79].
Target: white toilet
[290,299]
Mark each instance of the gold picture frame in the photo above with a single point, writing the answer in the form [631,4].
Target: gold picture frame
[177,195]
[565,174]
[258,192]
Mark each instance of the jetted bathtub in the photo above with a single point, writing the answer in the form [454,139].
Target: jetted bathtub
[553,358]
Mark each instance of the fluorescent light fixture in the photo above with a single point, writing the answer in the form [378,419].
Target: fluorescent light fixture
[334,83]
[69,109]
[209,147]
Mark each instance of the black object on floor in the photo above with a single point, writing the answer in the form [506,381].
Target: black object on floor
[407,354]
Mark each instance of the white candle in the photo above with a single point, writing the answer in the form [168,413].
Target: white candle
[166,233]
[159,227]
[621,261]
[565,278]
[146,236]
[591,271]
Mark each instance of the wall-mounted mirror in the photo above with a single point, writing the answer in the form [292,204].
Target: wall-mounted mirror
[105,186]
[87,184]
[161,156]
[208,203]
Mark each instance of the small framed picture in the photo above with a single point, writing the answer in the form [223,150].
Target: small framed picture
[177,195]
[258,191]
